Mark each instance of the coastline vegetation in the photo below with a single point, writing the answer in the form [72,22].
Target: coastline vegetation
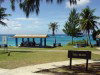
[85,22]
[77,42]
[71,26]
[53,26]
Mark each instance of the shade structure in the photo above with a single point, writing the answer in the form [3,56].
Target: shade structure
[31,36]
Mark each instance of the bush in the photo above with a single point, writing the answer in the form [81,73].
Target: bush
[77,42]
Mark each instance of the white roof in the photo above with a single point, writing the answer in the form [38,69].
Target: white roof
[31,36]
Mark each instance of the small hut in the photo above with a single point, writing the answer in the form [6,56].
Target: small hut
[42,38]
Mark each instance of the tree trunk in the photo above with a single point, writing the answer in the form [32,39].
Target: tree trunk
[55,39]
[53,33]
[72,40]
[89,39]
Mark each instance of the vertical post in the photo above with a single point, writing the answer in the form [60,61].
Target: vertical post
[16,40]
[33,40]
[40,42]
[28,39]
[22,39]
[44,42]
[86,64]
[70,63]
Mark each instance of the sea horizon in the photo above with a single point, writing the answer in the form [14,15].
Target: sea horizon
[60,38]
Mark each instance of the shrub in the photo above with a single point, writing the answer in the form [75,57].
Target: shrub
[77,42]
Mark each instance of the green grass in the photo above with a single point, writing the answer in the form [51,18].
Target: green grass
[96,57]
[18,59]
[56,48]
[81,48]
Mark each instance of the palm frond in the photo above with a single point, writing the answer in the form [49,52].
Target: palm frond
[3,16]
[2,23]
[33,6]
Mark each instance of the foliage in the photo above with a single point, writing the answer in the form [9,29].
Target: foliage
[54,27]
[88,21]
[77,42]
[30,6]
[3,16]
[71,26]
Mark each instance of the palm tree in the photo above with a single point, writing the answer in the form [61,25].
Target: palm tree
[71,26]
[88,22]
[3,16]
[53,27]
[29,6]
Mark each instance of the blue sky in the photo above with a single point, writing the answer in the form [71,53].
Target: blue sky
[19,24]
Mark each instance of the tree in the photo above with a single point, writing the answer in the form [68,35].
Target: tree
[3,16]
[30,6]
[71,26]
[53,27]
[95,33]
[88,22]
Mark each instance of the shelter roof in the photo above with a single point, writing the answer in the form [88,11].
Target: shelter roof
[31,36]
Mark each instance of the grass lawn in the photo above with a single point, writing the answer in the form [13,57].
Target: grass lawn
[18,59]
[81,48]
[56,48]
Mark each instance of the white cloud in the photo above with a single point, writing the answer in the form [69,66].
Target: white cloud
[26,19]
[25,26]
[79,3]
[29,21]
[12,24]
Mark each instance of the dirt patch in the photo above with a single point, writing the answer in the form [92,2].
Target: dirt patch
[94,69]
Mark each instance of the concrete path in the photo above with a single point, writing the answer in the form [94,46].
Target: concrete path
[30,70]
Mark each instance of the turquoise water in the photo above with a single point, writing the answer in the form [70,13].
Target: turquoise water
[61,38]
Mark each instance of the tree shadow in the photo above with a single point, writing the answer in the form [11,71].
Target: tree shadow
[76,70]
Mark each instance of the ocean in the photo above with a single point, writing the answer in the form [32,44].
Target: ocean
[60,38]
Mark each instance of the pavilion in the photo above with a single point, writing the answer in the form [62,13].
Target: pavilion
[42,38]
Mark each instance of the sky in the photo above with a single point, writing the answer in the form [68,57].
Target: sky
[19,24]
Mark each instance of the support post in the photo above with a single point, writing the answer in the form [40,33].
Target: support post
[40,42]
[16,40]
[70,63]
[22,39]
[28,39]
[87,64]
[44,42]
[33,40]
